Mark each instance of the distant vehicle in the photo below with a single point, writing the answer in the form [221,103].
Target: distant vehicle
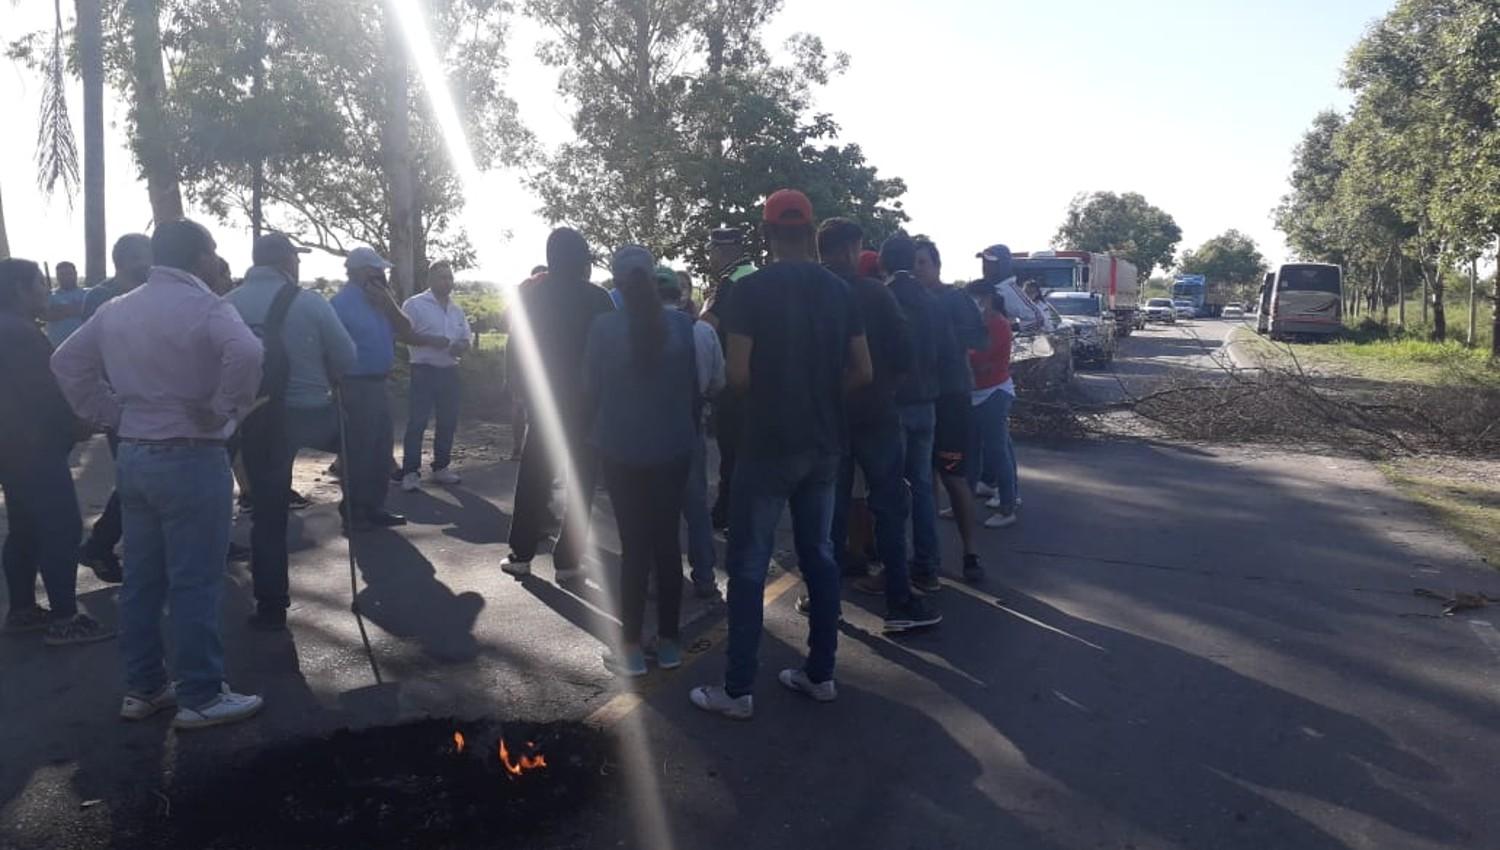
[1233,310]
[1263,304]
[1208,298]
[1161,310]
[1306,299]
[1185,309]
[1094,339]
[1112,278]
[1042,354]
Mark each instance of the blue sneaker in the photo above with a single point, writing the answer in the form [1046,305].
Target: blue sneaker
[628,664]
[668,654]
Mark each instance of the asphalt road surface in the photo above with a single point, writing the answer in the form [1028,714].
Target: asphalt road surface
[1179,647]
[1147,360]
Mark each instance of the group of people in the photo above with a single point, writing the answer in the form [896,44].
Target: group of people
[847,384]
[188,372]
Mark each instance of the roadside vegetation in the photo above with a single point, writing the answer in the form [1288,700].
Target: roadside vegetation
[1464,495]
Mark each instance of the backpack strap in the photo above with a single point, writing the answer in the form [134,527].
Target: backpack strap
[271,331]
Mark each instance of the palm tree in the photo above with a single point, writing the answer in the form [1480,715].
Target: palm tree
[4,240]
[56,152]
[90,23]
[154,148]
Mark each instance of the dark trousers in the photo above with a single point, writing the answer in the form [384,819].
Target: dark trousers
[107,529]
[42,515]
[647,502]
[879,450]
[729,421]
[269,449]
[367,468]
[530,512]
[433,388]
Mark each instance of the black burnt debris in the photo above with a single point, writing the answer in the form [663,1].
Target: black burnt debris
[427,783]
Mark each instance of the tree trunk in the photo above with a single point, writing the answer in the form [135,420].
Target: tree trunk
[91,67]
[1434,280]
[1494,309]
[4,239]
[1426,296]
[418,239]
[1473,301]
[258,164]
[1401,294]
[643,114]
[153,137]
[395,144]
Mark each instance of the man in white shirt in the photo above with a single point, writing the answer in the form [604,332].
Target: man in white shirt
[434,376]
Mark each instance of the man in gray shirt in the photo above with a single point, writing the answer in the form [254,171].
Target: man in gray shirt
[307,351]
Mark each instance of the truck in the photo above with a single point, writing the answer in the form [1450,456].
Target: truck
[1208,298]
[1113,279]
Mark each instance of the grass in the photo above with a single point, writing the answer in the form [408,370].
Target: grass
[1471,508]
[1368,355]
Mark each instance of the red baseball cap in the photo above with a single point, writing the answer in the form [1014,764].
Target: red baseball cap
[788,206]
[869,264]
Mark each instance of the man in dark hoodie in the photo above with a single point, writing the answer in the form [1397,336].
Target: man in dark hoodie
[875,441]
[557,313]
[916,397]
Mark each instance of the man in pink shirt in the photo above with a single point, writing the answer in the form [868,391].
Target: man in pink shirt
[172,369]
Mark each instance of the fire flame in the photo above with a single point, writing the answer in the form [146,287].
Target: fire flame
[458,741]
[516,768]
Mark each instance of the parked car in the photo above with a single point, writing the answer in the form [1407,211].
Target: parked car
[1160,310]
[1185,309]
[1233,311]
[1094,334]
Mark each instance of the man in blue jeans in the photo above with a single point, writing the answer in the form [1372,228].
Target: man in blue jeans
[183,369]
[875,439]
[916,394]
[796,345]
[435,385]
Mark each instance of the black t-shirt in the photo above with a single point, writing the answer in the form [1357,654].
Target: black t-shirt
[801,317]
[890,352]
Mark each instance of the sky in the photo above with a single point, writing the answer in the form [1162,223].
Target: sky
[995,112]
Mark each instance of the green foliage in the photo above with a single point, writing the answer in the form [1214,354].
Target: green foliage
[684,123]
[1230,258]
[1125,224]
[300,88]
[482,304]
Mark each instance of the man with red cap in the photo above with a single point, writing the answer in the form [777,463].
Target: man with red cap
[796,346]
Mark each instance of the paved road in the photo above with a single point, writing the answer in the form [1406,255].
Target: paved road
[1191,349]
[1180,648]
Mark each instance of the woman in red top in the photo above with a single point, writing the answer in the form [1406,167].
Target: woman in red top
[992,470]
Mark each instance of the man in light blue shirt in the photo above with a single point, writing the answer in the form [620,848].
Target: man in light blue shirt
[65,306]
[374,321]
[307,352]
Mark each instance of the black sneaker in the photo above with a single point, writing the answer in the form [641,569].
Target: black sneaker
[78,629]
[106,567]
[268,620]
[973,572]
[384,519]
[915,614]
[929,583]
[296,501]
[804,607]
[238,553]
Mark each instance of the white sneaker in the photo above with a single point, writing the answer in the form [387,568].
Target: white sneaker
[227,707]
[516,567]
[1001,520]
[994,503]
[983,490]
[411,482]
[796,679]
[140,707]
[447,476]
[713,698]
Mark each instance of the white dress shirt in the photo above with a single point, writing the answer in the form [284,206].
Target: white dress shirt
[430,318]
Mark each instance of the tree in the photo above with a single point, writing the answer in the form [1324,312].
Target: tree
[4,237]
[291,97]
[684,123]
[56,151]
[1231,258]
[1125,224]
[90,24]
[152,130]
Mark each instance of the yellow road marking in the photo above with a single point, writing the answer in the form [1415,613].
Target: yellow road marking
[619,706]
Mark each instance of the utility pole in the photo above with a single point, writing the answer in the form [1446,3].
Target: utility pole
[1473,299]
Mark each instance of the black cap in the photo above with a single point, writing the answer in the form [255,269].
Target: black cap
[273,248]
[727,236]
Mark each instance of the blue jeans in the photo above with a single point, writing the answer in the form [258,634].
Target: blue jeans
[176,508]
[432,387]
[992,450]
[700,527]
[877,449]
[42,515]
[762,488]
[918,424]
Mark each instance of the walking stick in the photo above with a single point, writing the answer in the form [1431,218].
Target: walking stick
[348,511]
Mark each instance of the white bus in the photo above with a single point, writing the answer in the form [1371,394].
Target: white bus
[1305,299]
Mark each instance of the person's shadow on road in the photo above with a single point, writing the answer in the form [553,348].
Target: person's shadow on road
[403,596]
